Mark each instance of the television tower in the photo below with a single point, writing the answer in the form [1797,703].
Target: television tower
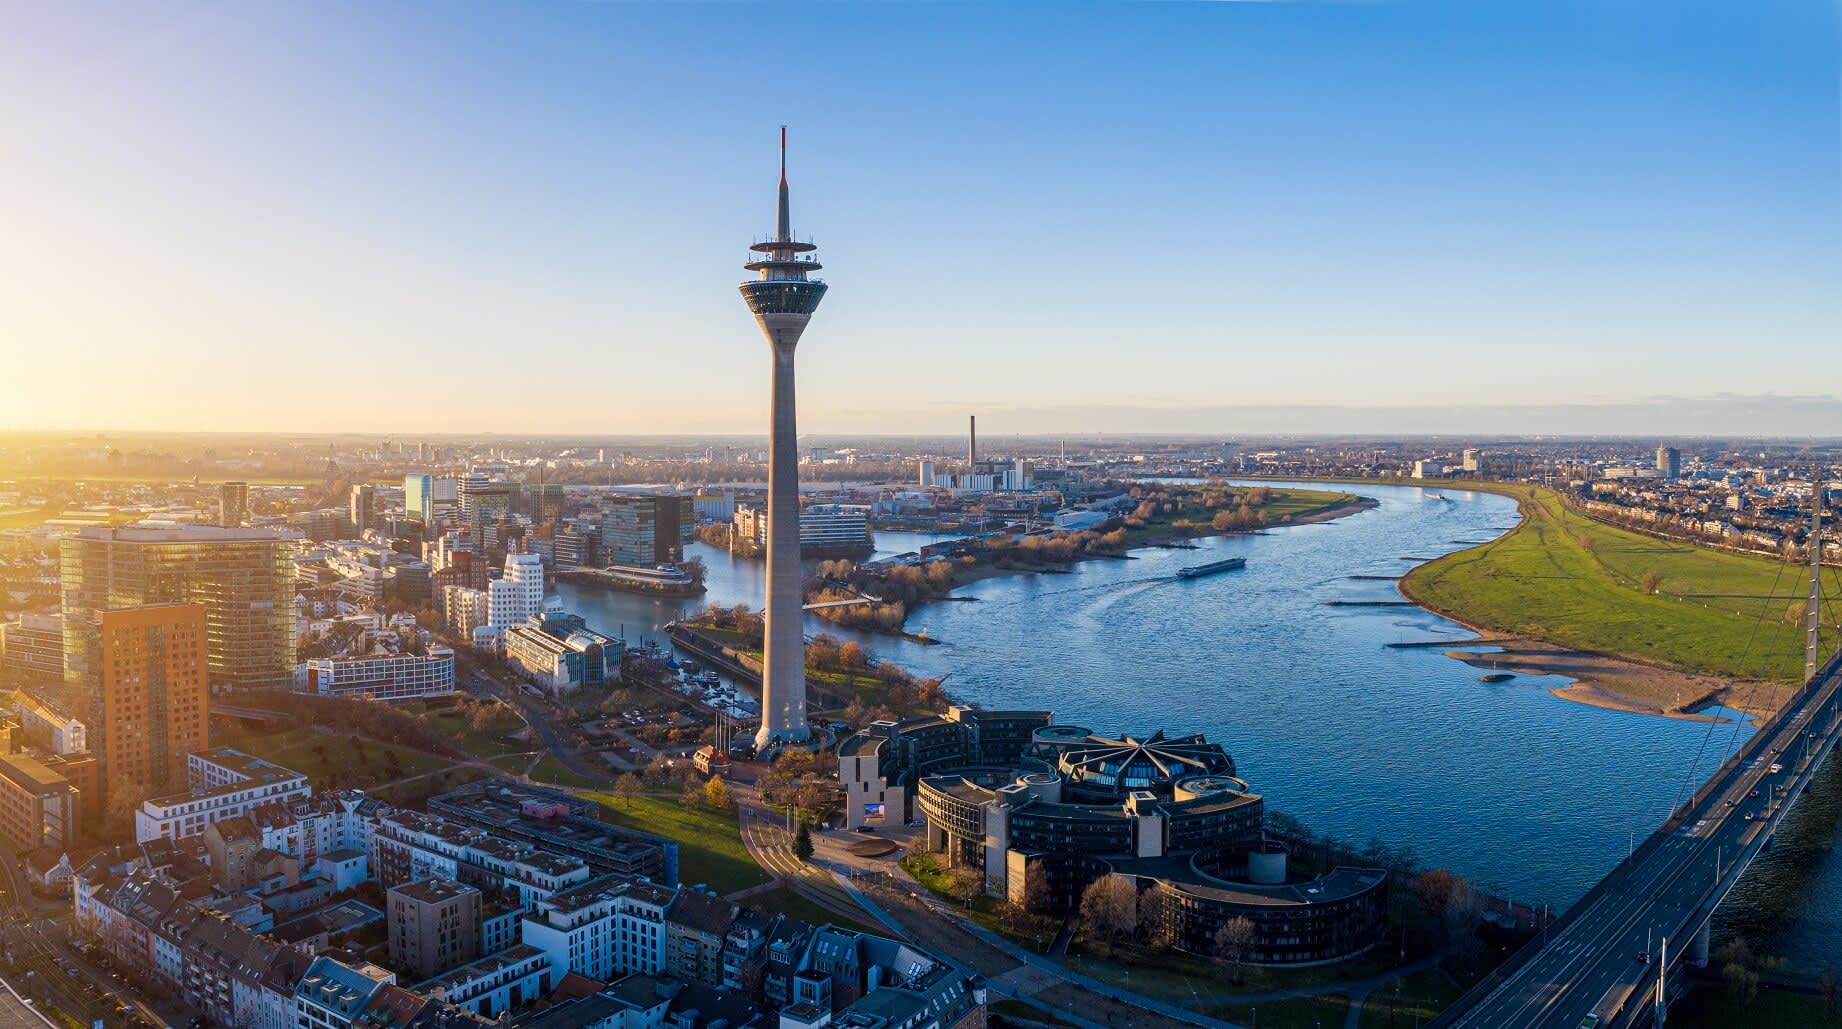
[783,300]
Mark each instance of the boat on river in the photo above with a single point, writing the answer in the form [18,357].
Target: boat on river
[1197,571]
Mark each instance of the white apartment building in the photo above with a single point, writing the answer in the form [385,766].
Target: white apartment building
[496,984]
[65,734]
[604,928]
[379,676]
[221,783]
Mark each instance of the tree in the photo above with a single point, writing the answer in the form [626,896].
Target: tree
[1831,982]
[716,793]
[692,796]
[1036,893]
[802,843]
[626,787]
[1109,907]
[1232,941]
[963,885]
[1650,582]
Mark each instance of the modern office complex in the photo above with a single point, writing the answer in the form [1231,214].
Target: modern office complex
[1016,798]
[646,530]
[381,676]
[38,807]
[32,650]
[783,300]
[363,507]
[151,695]
[825,530]
[243,577]
[519,595]
[233,505]
[561,654]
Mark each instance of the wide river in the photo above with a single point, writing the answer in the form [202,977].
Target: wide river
[1533,797]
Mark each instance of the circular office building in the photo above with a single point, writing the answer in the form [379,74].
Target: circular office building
[1058,807]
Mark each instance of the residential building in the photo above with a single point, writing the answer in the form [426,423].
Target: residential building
[497,984]
[49,729]
[381,676]
[332,994]
[232,844]
[603,928]
[151,695]
[696,927]
[221,783]
[38,807]
[243,577]
[233,505]
[560,823]
[434,926]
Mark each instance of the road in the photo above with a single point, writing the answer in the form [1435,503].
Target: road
[1611,938]
[34,934]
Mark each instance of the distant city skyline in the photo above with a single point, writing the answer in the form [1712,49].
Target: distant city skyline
[1408,218]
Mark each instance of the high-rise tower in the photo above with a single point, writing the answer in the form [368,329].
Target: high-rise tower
[783,299]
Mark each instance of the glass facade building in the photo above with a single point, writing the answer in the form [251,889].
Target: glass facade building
[243,577]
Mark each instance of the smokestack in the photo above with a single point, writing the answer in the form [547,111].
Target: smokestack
[972,444]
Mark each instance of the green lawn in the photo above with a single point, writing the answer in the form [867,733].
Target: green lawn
[1408,1001]
[710,849]
[549,769]
[1179,976]
[1710,1008]
[1566,579]
[489,742]
[1300,1013]
[328,759]
[417,792]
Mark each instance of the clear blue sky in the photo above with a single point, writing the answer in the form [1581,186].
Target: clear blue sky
[531,216]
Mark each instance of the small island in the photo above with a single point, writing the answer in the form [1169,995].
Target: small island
[1144,514]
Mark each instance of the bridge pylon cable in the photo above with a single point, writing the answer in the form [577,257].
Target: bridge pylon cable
[1687,788]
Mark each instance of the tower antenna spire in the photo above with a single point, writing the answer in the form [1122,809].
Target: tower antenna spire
[783,227]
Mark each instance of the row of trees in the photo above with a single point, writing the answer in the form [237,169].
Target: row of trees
[1115,910]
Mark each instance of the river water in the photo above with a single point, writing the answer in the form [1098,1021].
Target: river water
[1534,797]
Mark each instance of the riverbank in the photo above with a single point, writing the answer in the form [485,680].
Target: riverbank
[1614,683]
[1581,585]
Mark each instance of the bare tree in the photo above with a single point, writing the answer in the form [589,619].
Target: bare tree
[626,788]
[1109,907]
[1232,941]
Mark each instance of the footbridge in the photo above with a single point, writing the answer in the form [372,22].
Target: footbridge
[1612,959]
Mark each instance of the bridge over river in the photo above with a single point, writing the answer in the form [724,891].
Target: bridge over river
[1614,956]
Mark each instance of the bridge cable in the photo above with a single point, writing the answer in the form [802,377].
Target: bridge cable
[1688,778]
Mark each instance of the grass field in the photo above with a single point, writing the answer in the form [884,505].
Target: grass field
[328,759]
[1297,1013]
[1710,1008]
[1409,1001]
[549,769]
[492,741]
[1566,579]
[710,849]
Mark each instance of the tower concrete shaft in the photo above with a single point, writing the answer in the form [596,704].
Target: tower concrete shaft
[783,299]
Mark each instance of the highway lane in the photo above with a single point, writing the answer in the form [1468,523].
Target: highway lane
[1613,942]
